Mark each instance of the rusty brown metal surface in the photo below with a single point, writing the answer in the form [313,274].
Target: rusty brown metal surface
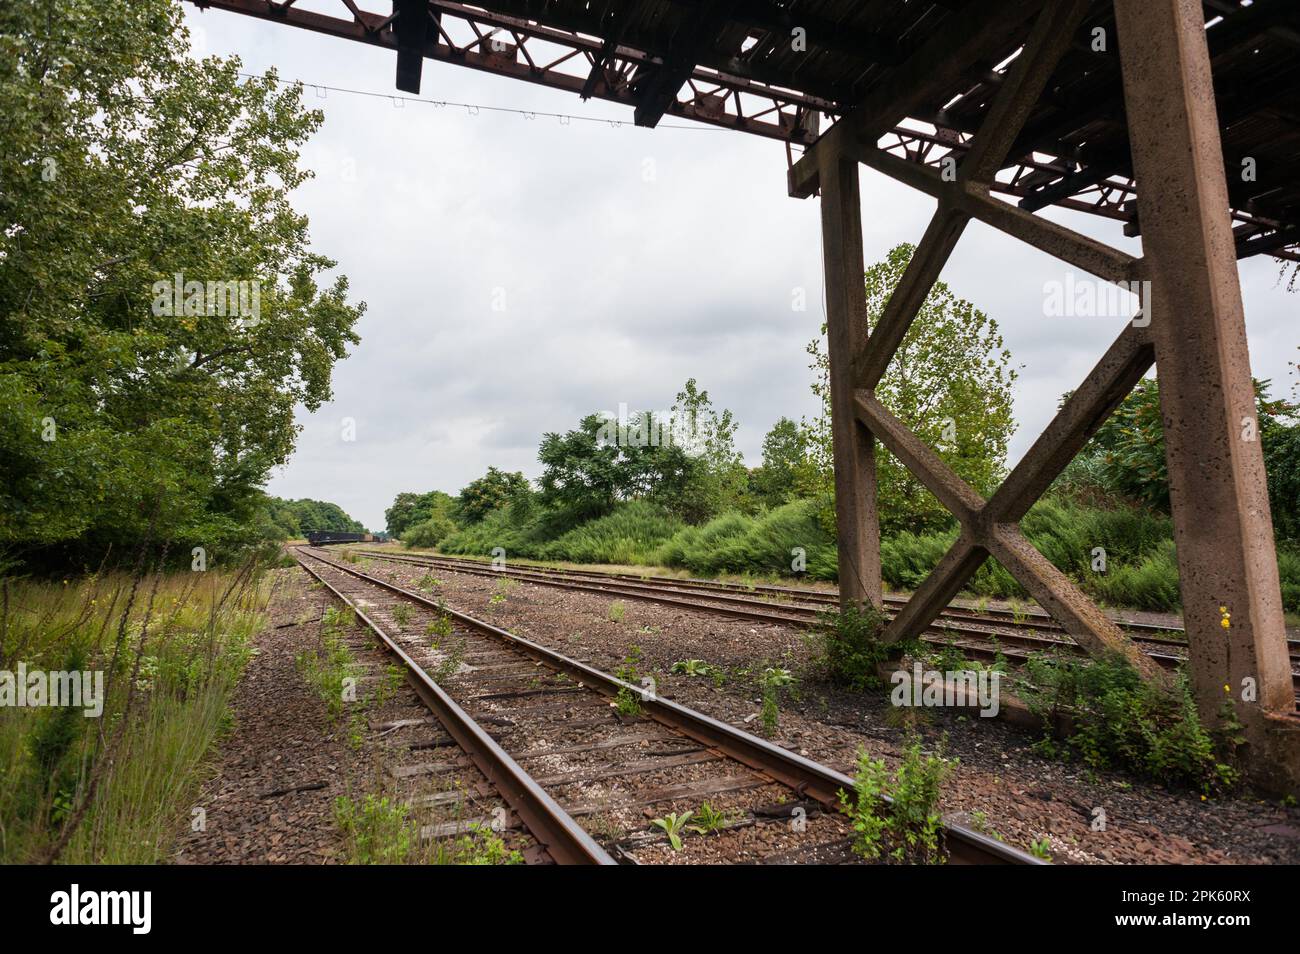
[1222,524]
[918,75]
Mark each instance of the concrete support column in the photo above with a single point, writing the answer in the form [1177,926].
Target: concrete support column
[857,522]
[1222,524]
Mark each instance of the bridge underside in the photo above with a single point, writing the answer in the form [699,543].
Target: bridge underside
[1143,111]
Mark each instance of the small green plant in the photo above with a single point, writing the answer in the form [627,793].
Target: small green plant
[401,614]
[979,821]
[673,825]
[1019,614]
[1041,848]
[428,582]
[692,667]
[376,831]
[907,829]
[709,819]
[449,665]
[771,681]
[628,700]
[439,629]
[616,611]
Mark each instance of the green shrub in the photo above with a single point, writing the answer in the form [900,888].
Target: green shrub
[429,533]
[631,534]
[1123,721]
[909,829]
[847,645]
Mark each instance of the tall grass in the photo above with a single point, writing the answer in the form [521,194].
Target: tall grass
[117,788]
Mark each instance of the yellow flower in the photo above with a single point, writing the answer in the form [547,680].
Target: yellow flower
[1225,688]
[1223,609]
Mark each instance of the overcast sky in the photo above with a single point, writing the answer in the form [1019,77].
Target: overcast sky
[627,260]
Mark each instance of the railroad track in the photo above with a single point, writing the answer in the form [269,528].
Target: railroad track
[981,634]
[544,728]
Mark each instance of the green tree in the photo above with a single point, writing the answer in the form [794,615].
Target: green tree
[408,509]
[490,492]
[950,382]
[785,451]
[293,518]
[125,163]
[588,470]
[717,478]
[1127,454]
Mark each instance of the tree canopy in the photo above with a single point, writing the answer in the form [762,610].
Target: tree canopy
[163,312]
[950,382]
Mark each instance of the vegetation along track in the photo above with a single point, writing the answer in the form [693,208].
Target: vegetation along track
[599,748]
[980,633]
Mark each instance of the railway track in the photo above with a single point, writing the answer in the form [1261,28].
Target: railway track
[546,729]
[981,634]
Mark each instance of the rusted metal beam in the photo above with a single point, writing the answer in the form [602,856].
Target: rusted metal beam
[981,30]
[857,522]
[1068,605]
[1052,35]
[955,494]
[1114,376]
[1222,525]
[659,88]
[937,590]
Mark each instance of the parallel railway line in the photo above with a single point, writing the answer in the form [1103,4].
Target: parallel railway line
[980,633]
[510,702]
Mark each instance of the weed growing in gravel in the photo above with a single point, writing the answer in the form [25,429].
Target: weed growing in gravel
[908,829]
[847,646]
[439,629]
[771,681]
[378,830]
[326,669]
[673,825]
[1041,848]
[428,582]
[616,611]
[394,679]
[628,700]
[979,821]
[692,667]
[401,614]
[1124,721]
[450,663]
[709,819]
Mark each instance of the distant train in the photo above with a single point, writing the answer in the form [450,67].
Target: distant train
[320,538]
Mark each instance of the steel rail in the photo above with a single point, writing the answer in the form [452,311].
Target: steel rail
[563,838]
[940,632]
[821,597]
[805,776]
